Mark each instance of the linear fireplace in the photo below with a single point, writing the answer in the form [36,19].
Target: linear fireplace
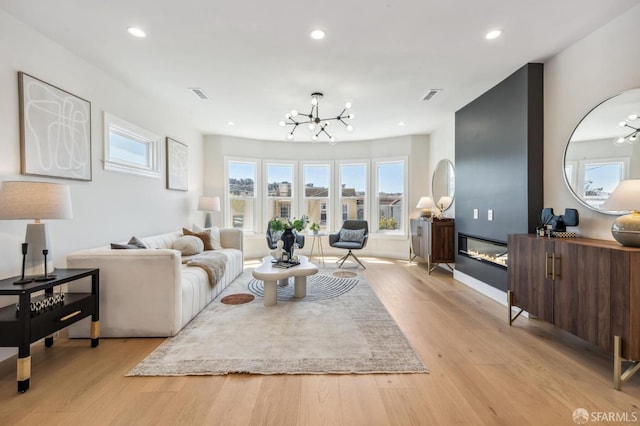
[483,250]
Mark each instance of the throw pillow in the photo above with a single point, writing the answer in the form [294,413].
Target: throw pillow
[188,245]
[205,236]
[133,244]
[215,235]
[355,235]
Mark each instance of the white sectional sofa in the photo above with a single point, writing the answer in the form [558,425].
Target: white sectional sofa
[150,292]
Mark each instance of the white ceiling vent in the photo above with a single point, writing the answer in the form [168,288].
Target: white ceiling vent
[199,92]
[430,94]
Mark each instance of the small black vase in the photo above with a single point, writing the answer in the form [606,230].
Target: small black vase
[289,239]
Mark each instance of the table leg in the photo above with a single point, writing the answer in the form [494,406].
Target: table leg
[95,318]
[270,295]
[24,349]
[300,287]
[321,259]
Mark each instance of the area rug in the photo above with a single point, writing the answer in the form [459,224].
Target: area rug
[351,333]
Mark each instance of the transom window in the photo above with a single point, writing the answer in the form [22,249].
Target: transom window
[130,149]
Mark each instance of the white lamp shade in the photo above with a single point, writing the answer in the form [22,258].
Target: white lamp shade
[625,197]
[209,204]
[34,200]
[425,203]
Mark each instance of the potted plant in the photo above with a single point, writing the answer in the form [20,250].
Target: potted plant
[314,227]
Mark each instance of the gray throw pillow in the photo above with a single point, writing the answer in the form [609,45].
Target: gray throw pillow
[355,235]
[133,244]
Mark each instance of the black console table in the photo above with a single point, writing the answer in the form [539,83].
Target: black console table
[22,327]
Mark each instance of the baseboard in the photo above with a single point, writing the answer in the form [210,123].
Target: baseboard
[481,287]
[485,289]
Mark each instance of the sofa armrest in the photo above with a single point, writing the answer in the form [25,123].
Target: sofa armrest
[140,291]
[231,238]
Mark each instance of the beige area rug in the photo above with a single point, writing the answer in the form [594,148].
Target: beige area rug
[344,334]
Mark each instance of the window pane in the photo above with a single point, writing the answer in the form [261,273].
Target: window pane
[242,210]
[316,181]
[390,196]
[279,179]
[241,179]
[600,179]
[353,184]
[316,209]
[128,149]
[279,208]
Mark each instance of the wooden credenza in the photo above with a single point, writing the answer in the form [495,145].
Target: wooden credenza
[434,241]
[588,287]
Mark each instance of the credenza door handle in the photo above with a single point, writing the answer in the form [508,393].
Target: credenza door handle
[547,256]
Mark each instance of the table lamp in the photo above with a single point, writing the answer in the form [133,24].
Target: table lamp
[208,205]
[426,204]
[625,198]
[35,200]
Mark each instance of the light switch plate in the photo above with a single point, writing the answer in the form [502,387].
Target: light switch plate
[475,213]
[490,215]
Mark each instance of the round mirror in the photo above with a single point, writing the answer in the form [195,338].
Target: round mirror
[604,150]
[443,184]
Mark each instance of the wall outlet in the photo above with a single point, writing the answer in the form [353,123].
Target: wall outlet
[475,213]
[490,215]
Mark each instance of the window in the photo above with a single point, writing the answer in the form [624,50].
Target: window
[130,149]
[317,181]
[353,190]
[390,176]
[279,190]
[241,178]
[600,178]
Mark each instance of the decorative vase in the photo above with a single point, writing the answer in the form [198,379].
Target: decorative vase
[315,232]
[288,238]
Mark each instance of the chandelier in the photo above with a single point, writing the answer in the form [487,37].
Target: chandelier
[316,125]
[631,137]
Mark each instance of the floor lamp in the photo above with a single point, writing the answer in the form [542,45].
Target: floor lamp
[35,200]
[208,205]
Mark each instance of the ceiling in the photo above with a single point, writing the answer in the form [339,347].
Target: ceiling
[256,61]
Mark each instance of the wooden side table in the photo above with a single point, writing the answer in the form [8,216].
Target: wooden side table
[23,327]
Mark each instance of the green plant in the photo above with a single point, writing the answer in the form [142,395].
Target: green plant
[314,226]
[282,223]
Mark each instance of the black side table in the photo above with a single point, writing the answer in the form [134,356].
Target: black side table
[22,327]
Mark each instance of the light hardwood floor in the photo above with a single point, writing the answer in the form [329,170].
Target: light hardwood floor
[482,372]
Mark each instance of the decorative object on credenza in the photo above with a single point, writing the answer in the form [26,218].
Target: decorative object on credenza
[626,198]
[315,124]
[427,205]
[444,203]
[23,280]
[55,131]
[208,205]
[177,165]
[46,276]
[552,223]
[21,200]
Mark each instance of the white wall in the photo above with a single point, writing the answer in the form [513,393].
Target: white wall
[595,68]
[442,147]
[416,148]
[113,206]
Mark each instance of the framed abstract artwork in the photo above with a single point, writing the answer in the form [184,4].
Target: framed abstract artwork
[177,165]
[55,131]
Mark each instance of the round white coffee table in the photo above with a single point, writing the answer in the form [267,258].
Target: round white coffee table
[270,275]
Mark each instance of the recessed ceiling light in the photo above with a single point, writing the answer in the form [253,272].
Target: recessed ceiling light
[136,32]
[231,123]
[317,34]
[401,123]
[493,34]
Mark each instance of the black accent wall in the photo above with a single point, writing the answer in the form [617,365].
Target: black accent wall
[499,153]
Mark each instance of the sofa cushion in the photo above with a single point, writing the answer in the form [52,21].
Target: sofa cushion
[188,245]
[215,235]
[205,236]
